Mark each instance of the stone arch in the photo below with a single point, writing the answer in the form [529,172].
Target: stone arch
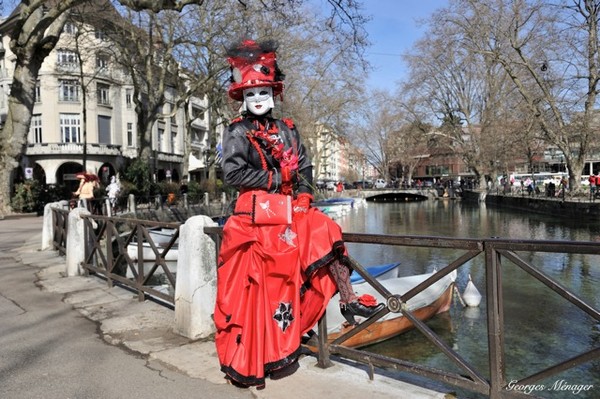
[105,171]
[39,174]
[174,175]
[65,174]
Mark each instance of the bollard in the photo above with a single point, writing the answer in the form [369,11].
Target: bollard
[75,253]
[108,207]
[48,223]
[131,203]
[196,284]
[206,200]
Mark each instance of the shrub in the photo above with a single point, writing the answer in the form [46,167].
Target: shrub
[195,193]
[26,197]
[138,173]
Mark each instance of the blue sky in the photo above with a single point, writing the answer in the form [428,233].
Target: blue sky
[392,31]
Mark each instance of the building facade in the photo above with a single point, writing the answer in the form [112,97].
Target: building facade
[84,115]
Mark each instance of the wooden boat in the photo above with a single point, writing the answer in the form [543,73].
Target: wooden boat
[435,299]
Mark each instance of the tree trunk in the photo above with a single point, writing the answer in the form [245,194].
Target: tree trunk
[13,137]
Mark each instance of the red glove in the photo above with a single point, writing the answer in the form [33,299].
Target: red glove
[302,203]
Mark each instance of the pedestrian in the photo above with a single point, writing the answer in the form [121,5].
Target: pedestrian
[113,190]
[280,260]
[88,182]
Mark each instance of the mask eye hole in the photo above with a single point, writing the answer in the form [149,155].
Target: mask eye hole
[264,92]
[250,94]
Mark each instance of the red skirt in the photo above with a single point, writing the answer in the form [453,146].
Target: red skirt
[273,286]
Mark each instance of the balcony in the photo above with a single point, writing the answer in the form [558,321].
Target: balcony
[170,157]
[72,148]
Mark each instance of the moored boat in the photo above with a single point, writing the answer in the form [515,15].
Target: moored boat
[149,257]
[435,299]
[162,236]
[381,272]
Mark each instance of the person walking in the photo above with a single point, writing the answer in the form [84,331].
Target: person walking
[281,260]
[113,190]
[88,182]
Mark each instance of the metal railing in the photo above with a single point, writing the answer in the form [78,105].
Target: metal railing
[123,250]
[494,251]
[60,219]
[106,255]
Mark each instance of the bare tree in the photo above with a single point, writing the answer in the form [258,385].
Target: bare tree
[35,27]
[468,93]
[550,52]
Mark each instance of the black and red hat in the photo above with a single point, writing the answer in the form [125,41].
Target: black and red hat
[254,65]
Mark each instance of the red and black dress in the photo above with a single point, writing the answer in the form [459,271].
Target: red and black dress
[273,283]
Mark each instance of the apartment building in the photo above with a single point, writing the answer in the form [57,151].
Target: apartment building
[60,143]
[335,158]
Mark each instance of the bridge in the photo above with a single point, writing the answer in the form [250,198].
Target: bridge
[393,194]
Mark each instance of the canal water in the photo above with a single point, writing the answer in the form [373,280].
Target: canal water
[542,328]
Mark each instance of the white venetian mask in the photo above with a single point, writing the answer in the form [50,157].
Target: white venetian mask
[259,100]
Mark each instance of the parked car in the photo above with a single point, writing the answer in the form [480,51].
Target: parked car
[330,185]
[380,183]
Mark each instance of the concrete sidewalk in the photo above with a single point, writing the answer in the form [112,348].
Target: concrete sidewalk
[145,329]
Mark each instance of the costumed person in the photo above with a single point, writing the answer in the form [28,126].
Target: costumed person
[87,183]
[273,280]
[113,190]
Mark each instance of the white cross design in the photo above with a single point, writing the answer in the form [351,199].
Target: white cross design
[266,206]
[288,237]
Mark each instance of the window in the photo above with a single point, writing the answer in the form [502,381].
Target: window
[161,134]
[69,90]
[128,97]
[129,134]
[100,34]
[70,28]
[104,129]
[67,58]
[35,129]
[70,128]
[173,141]
[37,92]
[102,61]
[197,113]
[103,93]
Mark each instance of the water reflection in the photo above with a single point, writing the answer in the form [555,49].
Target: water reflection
[541,327]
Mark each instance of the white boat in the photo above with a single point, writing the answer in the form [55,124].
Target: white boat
[435,299]
[162,236]
[149,257]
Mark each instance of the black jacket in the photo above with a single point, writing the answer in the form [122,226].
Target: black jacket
[242,166]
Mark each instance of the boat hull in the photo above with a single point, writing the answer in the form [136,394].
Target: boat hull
[386,329]
[436,298]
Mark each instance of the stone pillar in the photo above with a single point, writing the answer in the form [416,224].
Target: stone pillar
[75,241]
[196,285]
[131,203]
[47,226]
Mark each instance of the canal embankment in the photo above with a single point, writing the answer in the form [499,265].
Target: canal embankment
[575,207]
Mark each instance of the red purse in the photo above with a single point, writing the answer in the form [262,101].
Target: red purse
[271,209]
